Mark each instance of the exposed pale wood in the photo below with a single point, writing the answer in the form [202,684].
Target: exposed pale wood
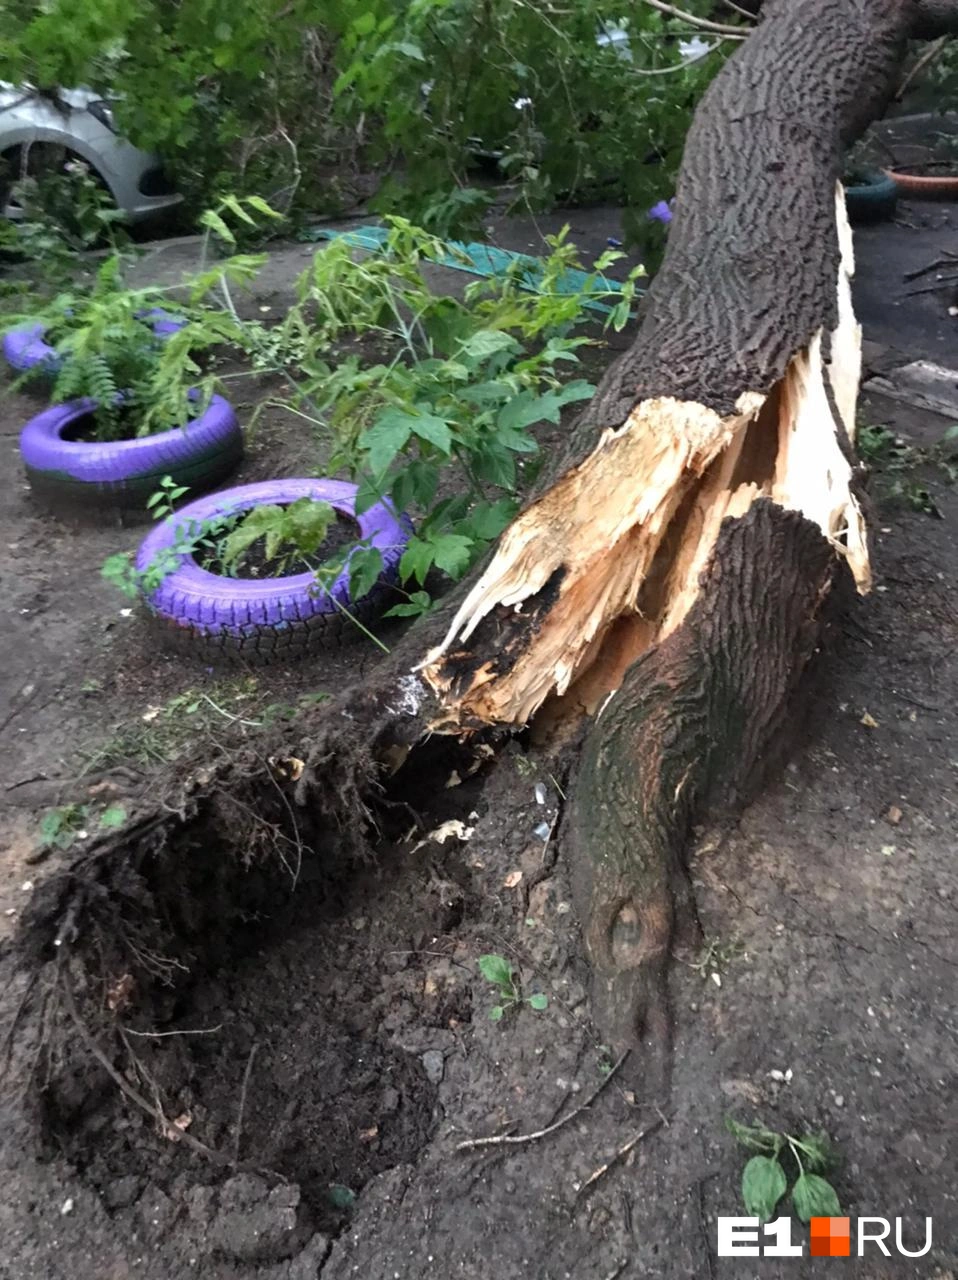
[600,527]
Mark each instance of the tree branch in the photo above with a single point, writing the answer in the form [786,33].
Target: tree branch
[737,8]
[924,62]
[705,24]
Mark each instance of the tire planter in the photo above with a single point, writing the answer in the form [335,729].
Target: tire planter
[117,476]
[25,349]
[924,187]
[871,197]
[258,621]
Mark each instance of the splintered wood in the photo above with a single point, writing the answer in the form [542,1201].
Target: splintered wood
[628,532]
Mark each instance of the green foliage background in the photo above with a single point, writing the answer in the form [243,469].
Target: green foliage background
[302,100]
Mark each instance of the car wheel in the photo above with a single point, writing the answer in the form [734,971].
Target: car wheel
[38,160]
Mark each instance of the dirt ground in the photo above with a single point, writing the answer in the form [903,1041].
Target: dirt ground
[334,1040]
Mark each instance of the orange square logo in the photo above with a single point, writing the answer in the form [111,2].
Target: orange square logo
[831,1237]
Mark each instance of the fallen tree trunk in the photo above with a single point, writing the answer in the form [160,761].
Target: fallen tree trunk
[666,584]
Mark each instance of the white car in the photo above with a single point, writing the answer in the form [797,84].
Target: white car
[41,132]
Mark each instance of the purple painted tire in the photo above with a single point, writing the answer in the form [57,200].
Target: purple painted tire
[254,622]
[25,350]
[120,475]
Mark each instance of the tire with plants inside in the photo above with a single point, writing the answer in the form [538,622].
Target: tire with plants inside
[255,622]
[70,474]
[26,349]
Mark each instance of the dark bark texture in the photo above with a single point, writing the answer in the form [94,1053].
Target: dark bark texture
[752,259]
[686,729]
[933,18]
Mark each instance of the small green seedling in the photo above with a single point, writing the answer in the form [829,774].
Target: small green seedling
[764,1178]
[162,502]
[498,971]
[61,826]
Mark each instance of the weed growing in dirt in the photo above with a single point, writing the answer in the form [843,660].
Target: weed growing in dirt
[716,957]
[765,1181]
[67,823]
[225,710]
[162,502]
[498,971]
[897,463]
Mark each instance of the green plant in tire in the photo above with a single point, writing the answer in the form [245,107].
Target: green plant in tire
[289,534]
[287,539]
[108,350]
[781,1159]
[204,537]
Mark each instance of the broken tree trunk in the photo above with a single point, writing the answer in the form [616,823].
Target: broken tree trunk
[666,584]
[670,579]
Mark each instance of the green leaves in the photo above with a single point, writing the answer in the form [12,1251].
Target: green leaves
[113,816]
[419,603]
[290,533]
[118,570]
[395,427]
[426,426]
[763,1185]
[214,222]
[496,969]
[528,408]
[365,566]
[764,1180]
[267,522]
[814,1197]
[307,524]
[482,344]
[450,552]
[256,69]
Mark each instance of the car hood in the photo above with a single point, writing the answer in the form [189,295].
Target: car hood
[13,95]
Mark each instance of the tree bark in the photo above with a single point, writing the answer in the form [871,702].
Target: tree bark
[666,584]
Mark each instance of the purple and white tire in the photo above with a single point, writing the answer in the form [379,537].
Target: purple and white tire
[120,475]
[254,622]
[25,349]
